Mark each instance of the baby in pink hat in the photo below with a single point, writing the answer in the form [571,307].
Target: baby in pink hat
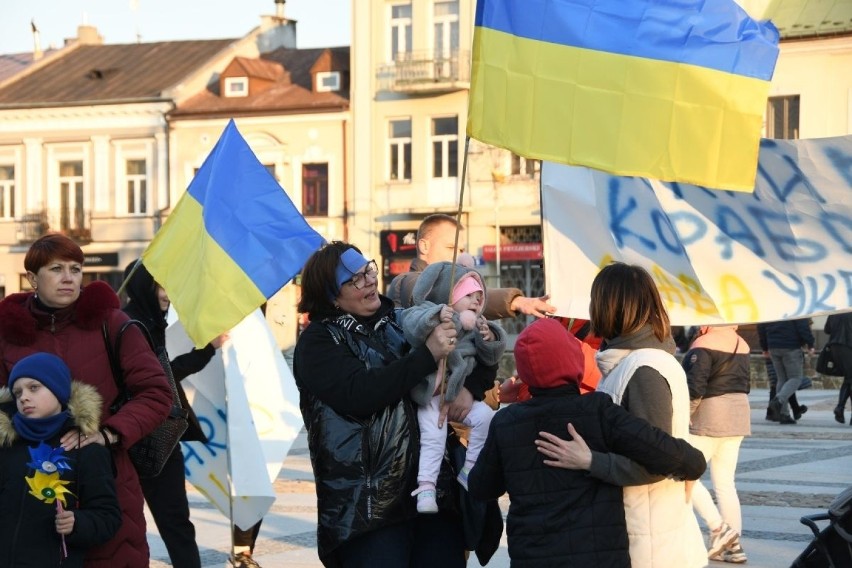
[479,342]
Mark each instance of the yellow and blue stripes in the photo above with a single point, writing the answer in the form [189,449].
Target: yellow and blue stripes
[232,241]
[673,90]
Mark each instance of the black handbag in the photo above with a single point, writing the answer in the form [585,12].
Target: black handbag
[149,454]
[826,363]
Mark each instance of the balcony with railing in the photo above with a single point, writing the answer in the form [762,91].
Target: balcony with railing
[74,224]
[425,72]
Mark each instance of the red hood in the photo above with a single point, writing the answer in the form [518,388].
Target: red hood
[548,356]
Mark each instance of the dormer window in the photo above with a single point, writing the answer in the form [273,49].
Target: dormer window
[236,87]
[328,81]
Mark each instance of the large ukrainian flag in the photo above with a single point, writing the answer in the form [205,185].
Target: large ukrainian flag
[232,241]
[667,89]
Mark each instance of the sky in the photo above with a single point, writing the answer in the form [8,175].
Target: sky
[321,23]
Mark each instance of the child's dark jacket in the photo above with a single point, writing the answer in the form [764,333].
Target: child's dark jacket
[28,536]
[560,517]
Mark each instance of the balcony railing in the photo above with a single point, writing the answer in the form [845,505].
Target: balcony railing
[36,224]
[425,71]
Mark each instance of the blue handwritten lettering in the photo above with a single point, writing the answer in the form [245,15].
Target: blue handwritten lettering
[619,217]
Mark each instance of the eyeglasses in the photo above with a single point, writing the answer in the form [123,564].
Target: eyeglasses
[359,279]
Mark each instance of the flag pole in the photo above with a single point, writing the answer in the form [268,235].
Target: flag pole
[456,248]
[230,464]
[129,276]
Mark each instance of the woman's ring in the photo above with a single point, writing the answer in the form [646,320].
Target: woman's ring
[452,341]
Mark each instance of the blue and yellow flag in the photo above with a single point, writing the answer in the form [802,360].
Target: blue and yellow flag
[232,241]
[672,90]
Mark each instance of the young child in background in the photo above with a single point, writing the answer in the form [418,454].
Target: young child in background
[54,504]
[479,346]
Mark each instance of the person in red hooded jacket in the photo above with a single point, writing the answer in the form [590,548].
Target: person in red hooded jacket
[514,390]
[565,517]
[63,317]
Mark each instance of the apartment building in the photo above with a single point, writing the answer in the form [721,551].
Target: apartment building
[411,73]
[292,107]
[100,141]
[411,77]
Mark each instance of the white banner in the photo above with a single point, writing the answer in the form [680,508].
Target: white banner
[781,252]
[248,389]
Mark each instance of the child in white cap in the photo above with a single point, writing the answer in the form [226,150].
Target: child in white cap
[478,343]
[54,504]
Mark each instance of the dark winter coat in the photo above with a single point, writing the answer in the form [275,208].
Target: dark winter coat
[788,334]
[75,334]
[28,537]
[559,517]
[839,329]
[353,379]
[144,306]
[717,363]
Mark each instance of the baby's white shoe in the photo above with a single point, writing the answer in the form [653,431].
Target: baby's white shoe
[426,499]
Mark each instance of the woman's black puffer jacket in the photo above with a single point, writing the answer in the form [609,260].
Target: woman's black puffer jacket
[354,378]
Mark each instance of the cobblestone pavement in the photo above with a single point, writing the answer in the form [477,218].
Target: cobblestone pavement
[784,472]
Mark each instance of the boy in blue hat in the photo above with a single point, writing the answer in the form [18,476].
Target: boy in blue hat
[54,504]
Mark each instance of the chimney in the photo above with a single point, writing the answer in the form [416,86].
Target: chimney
[279,8]
[37,52]
[88,35]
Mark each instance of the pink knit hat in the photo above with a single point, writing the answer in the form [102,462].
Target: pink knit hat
[469,283]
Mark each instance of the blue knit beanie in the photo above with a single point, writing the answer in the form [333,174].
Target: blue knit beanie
[49,370]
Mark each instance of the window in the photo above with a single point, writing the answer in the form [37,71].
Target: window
[782,117]
[446,40]
[446,30]
[527,275]
[328,81]
[399,136]
[7,192]
[400,28]
[71,212]
[445,145]
[236,87]
[524,166]
[315,190]
[137,185]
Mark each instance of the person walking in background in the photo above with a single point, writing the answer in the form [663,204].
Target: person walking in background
[717,369]
[479,346]
[54,504]
[63,317]
[165,494]
[566,517]
[796,408]
[839,330]
[784,340]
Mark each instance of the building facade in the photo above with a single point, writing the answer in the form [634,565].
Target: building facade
[411,78]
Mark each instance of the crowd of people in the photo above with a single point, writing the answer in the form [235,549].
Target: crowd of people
[600,451]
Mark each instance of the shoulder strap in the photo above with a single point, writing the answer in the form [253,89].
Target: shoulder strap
[145,333]
[114,365]
[114,353]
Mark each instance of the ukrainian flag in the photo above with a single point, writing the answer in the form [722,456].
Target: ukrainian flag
[232,241]
[667,89]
